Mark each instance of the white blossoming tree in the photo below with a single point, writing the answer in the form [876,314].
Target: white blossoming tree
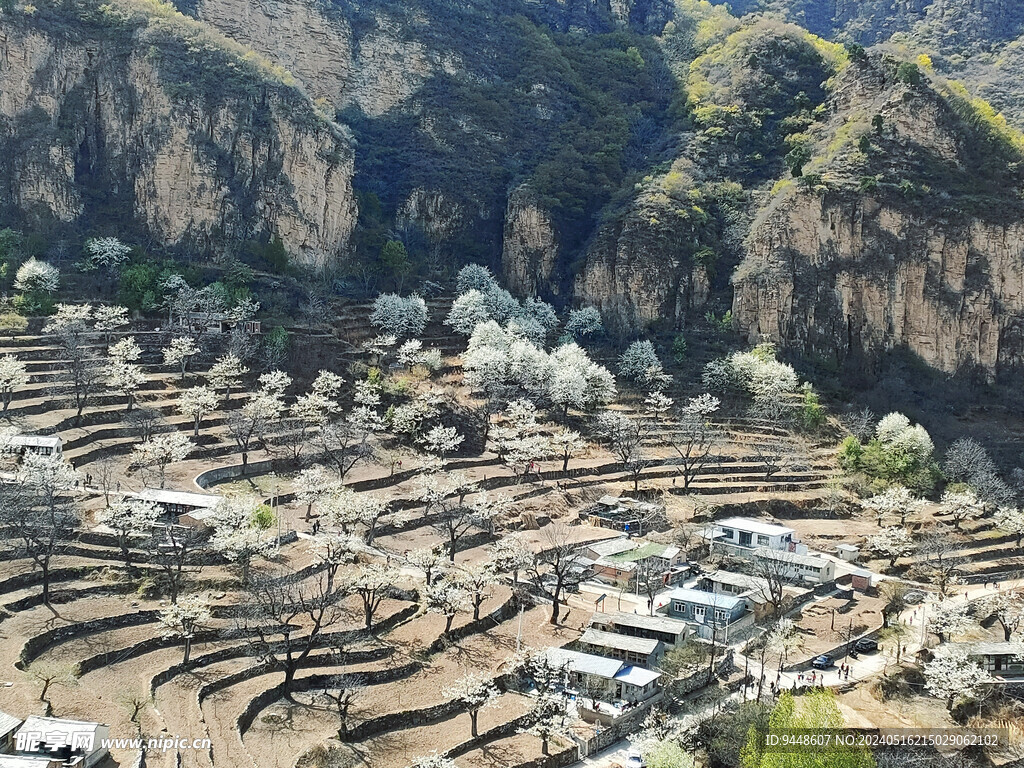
[399,316]
[892,543]
[953,675]
[184,618]
[13,376]
[37,276]
[129,518]
[241,531]
[476,692]
[106,252]
[179,353]
[159,452]
[196,403]
[226,372]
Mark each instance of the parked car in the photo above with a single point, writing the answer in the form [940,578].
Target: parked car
[823,662]
[913,597]
[635,760]
[865,645]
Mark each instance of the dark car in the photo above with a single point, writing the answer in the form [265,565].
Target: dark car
[865,645]
[823,662]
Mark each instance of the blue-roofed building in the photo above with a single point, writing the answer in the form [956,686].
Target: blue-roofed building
[609,680]
[708,612]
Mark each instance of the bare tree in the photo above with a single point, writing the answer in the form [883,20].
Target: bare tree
[625,437]
[943,558]
[40,512]
[342,692]
[557,567]
[695,438]
[288,617]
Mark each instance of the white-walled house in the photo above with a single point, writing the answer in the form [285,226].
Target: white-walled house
[811,569]
[65,740]
[744,535]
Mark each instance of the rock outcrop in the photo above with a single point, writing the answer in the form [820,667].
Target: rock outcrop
[104,132]
[639,272]
[530,246]
[852,277]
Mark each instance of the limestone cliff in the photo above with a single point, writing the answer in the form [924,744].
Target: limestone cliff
[639,272]
[855,277]
[848,269]
[117,124]
[530,246]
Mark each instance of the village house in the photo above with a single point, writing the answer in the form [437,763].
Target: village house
[217,323]
[1003,660]
[811,569]
[190,509]
[743,535]
[627,515]
[608,680]
[64,740]
[619,562]
[671,632]
[753,589]
[635,650]
[712,616]
[42,445]
[8,725]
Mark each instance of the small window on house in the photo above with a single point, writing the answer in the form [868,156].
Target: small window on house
[727,532]
[762,540]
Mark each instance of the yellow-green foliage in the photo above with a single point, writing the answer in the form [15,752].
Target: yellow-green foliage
[711,23]
[982,116]
[834,54]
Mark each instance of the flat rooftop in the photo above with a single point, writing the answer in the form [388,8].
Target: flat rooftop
[619,642]
[653,623]
[184,498]
[754,526]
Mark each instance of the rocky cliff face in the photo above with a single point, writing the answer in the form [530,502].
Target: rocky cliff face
[530,246]
[855,277]
[103,134]
[639,272]
[377,71]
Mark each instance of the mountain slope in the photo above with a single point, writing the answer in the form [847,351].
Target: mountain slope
[131,116]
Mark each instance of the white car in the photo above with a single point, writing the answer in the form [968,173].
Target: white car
[635,760]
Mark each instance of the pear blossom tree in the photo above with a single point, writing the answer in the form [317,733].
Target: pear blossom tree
[441,441]
[106,252]
[1010,519]
[226,372]
[948,619]
[241,532]
[179,353]
[446,598]
[373,583]
[584,323]
[159,452]
[123,373]
[109,318]
[566,444]
[1008,610]
[129,518]
[893,501]
[696,437]
[314,484]
[13,376]
[476,692]
[625,437]
[961,506]
[430,561]
[953,675]
[37,276]
[196,403]
[402,317]
[184,618]
[509,555]
[477,581]
[892,543]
